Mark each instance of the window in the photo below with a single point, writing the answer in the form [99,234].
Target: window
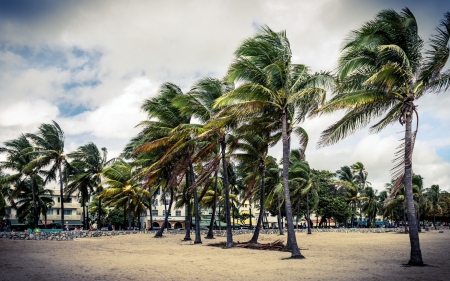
[245,205]
[68,200]
[164,213]
[50,212]
[178,213]
[167,201]
[156,202]
[68,212]
[154,212]
[59,199]
[158,192]
[57,211]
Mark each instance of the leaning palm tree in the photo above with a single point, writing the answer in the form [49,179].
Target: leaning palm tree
[19,154]
[87,166]
[198,103]
[434,195]
[122,187]
[268,77]
[49,146]
[346,180]
[360,175]
[25,197]
[384,69]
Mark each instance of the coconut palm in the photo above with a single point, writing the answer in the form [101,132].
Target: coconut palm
[24,198]
[371,204]
[346,180]
[419,195]
[19,154]
[198,102]
[86,171]
[122,188]
[49,146]
[434,195]
[360,176]
[384,70]
[268,77]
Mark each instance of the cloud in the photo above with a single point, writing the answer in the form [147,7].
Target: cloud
[117,117]
[90,64]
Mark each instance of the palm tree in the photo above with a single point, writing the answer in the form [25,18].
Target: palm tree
[360,176]
[19,154]
[346,180]
[382,69]
[417,182]
[371,206]
[123,189]
[87,166]
[434,195]
[24,202]
[49,146]
[268,78]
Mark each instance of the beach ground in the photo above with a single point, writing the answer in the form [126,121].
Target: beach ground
[329,256]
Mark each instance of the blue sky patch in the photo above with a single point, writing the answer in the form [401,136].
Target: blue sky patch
[67,109]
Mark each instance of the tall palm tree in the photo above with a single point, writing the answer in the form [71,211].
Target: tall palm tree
[417,182]
[384,70]
[434,195]
[199,102]
[122,187]
[268,77]
[49,146]
[87,166]
[360,175]
[371,204]
[346,179]
[24,202]
[19,154]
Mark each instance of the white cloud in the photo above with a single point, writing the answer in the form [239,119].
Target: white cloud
[117,117]
[132,47]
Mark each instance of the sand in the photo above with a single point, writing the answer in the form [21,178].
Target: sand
[329,256]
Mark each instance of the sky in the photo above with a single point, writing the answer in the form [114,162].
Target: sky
[89,65]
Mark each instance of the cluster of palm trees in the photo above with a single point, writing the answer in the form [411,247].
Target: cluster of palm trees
[189,139]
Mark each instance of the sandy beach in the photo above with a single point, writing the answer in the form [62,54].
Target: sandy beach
[329,256]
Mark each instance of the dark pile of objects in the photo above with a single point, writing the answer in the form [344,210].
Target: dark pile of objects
[274,246]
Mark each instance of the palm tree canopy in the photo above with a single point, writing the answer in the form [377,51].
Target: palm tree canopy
[383,69]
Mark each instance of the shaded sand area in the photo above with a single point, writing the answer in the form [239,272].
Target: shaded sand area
[329,256]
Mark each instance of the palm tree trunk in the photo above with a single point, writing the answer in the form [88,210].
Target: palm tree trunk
[250,213]
[292,241]
[307,213]
[151,217]
[198,238]
[61,195]
[298,213]
[187,236]
[35,207]
[418,214]
[213,215]
[280,224]
[166,217]
[99,189]
[230,242]
[84,213]
[416,253]
[129,211]
[434,218]
[261,208]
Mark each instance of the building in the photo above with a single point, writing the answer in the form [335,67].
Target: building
[72,213]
